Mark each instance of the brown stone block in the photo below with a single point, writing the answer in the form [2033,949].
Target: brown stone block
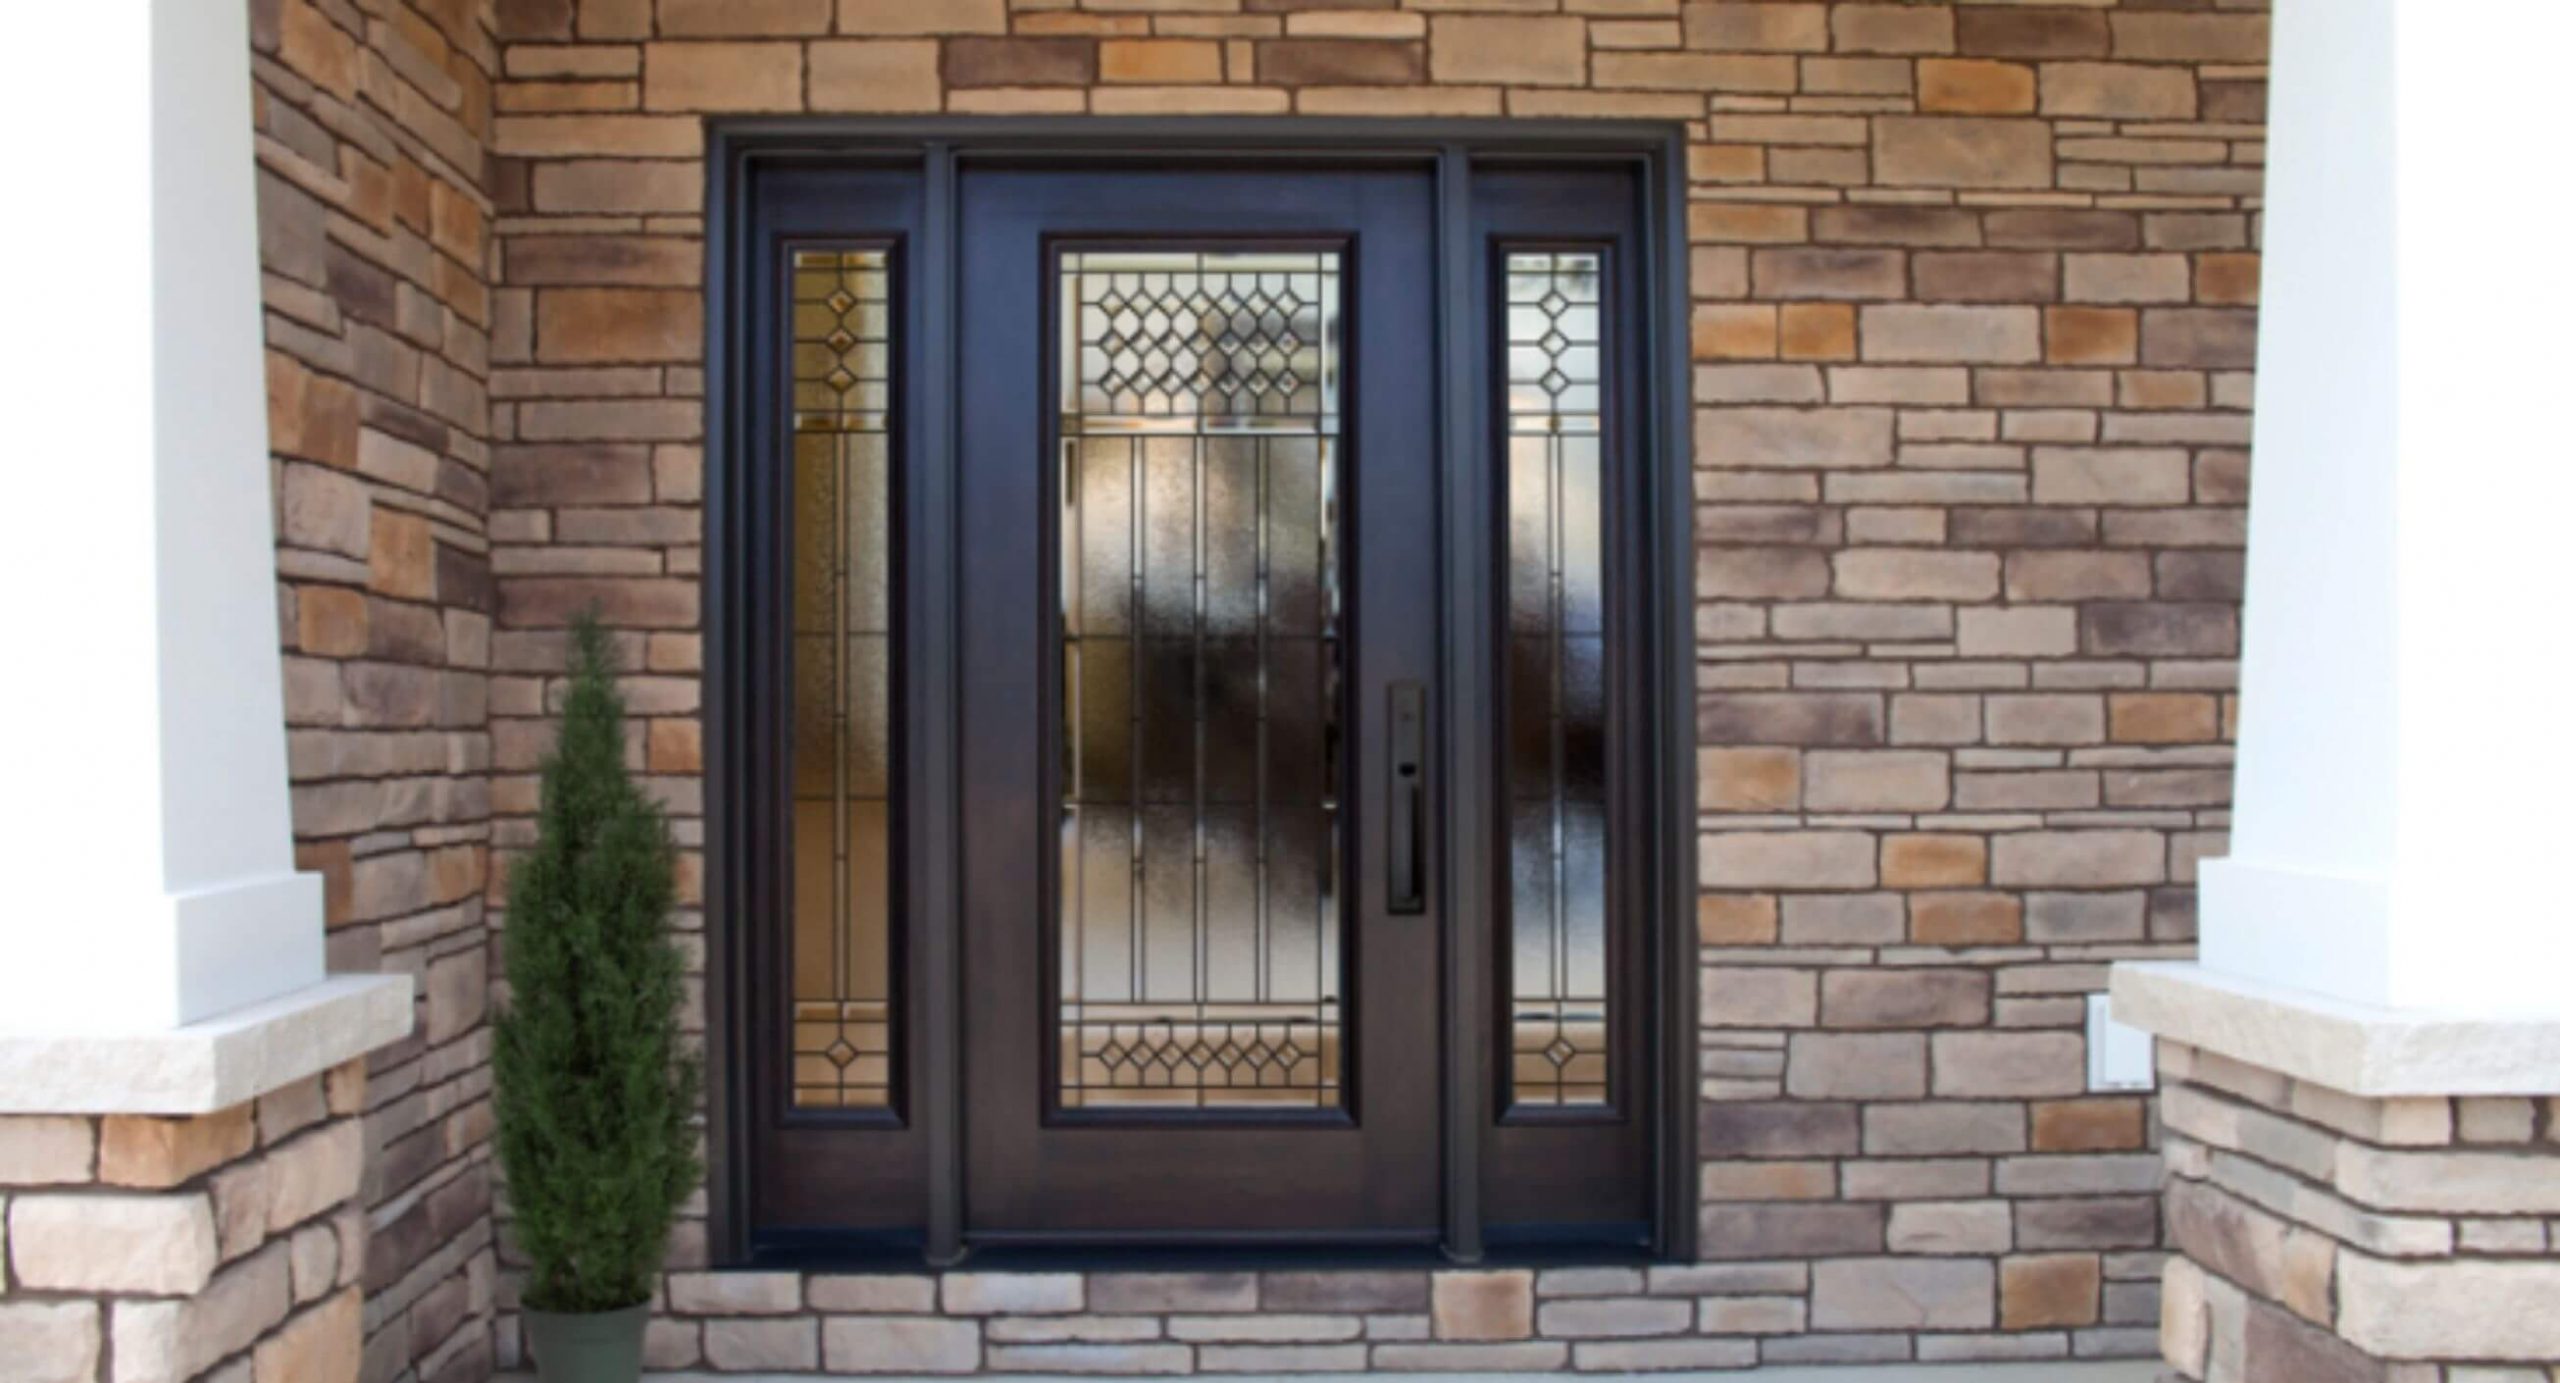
[1020,62]
[2160,629]
[2280,1345]
[874,74]
[1828,273]
[571,473]
[1817,331]
[2228,279]
[1512,50]
[552,602]
[743,18]
[401,561]
[1750,780]
[1892,999]
[1729,919]
[1802,718]
[1985,276]
[2119,91]
[1975,86]
[1707,72]
[2092,335]
[2200,338]
[552,260]
[1985,31]
[2094,1124]
[1969,918]
[578,186]
[920,17]
[2049,1291]
[2059,228]
[2166,37]
[1337,61]
[1934,861]
[1397,1292]
[330,621]
[1733,331]
[534,20]
[1736,1232]
[726,77]
[1963,152]
[1729,26]
[581,326]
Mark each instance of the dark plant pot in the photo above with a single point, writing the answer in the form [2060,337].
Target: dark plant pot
[586,1346]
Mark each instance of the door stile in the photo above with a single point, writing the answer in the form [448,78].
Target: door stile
[1465,721]
[936,735]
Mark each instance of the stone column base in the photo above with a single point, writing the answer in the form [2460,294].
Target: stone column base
[2324,1236]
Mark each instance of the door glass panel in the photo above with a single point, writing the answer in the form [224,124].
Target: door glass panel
[842,1041]
[1199,942]
[1554,650]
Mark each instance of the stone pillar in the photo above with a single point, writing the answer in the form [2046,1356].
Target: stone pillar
[2360,1150]
[149,853]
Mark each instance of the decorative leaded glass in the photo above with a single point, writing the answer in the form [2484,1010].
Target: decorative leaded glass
[843,1037]
[1554,649]
[1199,948]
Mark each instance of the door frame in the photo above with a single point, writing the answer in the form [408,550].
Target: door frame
[735,753]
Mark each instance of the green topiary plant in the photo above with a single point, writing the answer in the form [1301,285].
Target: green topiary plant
[595,1089]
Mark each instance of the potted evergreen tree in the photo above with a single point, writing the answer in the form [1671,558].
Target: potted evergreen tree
[595,1089]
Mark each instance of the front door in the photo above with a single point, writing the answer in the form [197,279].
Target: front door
[1197,422]
[1192,765]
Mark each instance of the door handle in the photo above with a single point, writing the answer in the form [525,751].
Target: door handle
[1404,796]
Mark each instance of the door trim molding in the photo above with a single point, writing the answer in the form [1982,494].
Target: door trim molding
[938,147]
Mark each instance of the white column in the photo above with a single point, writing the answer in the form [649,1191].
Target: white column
[148,845]
[2397,816]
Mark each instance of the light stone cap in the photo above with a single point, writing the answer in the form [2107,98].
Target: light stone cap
[212,1065]
[2359,1049]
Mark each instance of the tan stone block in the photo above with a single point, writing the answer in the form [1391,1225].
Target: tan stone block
[579,186]
[46,1150]
[1857,1066]
[148,1245]
[1883,573]
[2227,279]
[322,1345]
[1759,1181]
[1707,72]
[316,1173]
[1823,438]
[1746,224]
[2111,475]
[1727,26]
[2122,278]
[2484,1310]
[1509,49]
[1483,1307]
[1934,861]
[310,415]
[1733,331]
[912,17]
[156,1153]
[331,621]
[1949,1227]
[2078,859]
[1875,780]
[1726,919]
[2119,91]
[2095,1124]
[1902,1294]
[2092,335]
[874,75]
[50,1341]
[2164,718]
[1818,331]
[1893,28]
[1017,1294]
[402,559]
[1955,335]
[1787,859]
[2049,1291]
[1750,779]
[172,1341]
[2008,1065]
[725,77]
[901,1344]
[1162,61]
[1755,996]
[2218,38]
[1975,86]
[1963,151]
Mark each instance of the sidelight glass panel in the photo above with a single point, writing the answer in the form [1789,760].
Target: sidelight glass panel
[1555,648]
[843,1034]
[1199,947]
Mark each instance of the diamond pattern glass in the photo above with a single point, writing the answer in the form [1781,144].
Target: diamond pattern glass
[1199,950]
[843,1039]
[1556,705]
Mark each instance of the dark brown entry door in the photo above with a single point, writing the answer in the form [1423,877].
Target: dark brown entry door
[1198,614]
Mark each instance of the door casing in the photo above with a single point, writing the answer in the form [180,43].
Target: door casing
[939,147]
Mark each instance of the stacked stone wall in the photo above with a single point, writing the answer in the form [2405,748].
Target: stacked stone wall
[373,119]
[227,1247]
[1971,333]
[2326,1236]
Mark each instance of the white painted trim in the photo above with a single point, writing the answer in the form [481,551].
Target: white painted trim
[2360,1049]
[210,1065]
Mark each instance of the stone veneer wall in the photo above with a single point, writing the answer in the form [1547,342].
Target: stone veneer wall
[373,126]
[2324,1236]
[1971,333]
[227,1247]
